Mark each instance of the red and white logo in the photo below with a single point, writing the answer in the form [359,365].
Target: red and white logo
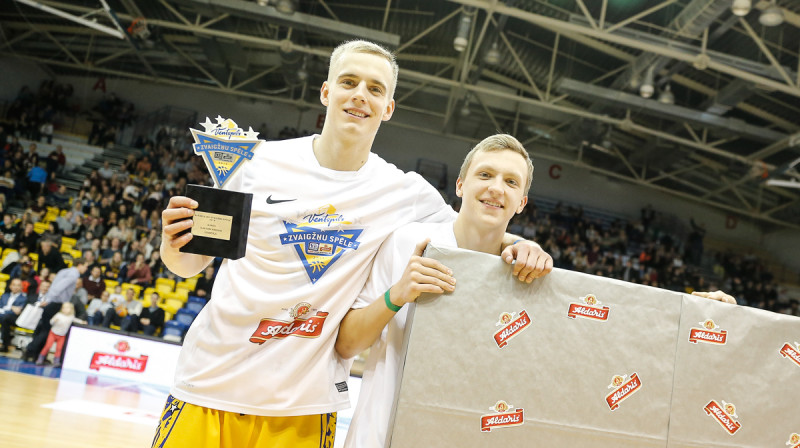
[708,333]
[791,352]
[794,440]
[623,387]
[504,416]
[724,414]
[589,309]
[511,326]
[117,360]
[300,325]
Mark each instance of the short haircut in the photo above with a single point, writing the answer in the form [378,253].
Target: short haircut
[499,142]
[78,261]
[363,46]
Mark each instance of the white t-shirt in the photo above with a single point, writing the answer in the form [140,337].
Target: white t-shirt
[379,381]
[264,344]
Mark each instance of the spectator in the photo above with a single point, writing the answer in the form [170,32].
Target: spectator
[95,285]
[205,283]
[98,308]
[46,132]
[115,268]
[37,176]
[50,257]
[124,314]
[139,272]
[62,289]
[59,326]
[11,304]
[152,317]
[106,171]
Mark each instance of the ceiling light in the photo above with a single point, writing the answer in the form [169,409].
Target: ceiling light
[493,55]
[771,16]
[666,96]
[741,7]
[462,35]
[465,107]
[647,89]
[285,6]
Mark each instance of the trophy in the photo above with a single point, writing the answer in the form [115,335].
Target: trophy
[222,217]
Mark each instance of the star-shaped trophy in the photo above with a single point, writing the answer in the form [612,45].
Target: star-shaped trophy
[222,218]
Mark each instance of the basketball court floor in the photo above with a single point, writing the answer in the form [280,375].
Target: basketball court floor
[47,407]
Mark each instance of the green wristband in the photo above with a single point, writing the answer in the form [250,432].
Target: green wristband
[389,303]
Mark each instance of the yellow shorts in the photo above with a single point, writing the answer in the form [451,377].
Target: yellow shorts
[186,425]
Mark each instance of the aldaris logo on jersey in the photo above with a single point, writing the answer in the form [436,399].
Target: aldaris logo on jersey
[224,147]
[320,239]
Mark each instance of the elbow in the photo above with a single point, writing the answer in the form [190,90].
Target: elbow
[346,350]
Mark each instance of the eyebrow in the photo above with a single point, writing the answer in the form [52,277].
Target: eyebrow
[353,75]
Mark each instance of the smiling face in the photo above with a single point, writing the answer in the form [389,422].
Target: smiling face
[492,190]
[358,94]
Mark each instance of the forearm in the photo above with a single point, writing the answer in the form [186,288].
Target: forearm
[361,327]
[183,264]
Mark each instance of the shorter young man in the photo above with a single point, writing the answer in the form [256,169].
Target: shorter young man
[493,184]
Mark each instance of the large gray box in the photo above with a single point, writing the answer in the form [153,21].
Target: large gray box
[569,336]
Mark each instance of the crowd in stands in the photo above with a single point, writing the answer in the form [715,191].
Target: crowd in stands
[112,226]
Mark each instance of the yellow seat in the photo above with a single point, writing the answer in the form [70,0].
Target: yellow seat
[40,227]
[183,290]
[65,248]
[34,256]
[52,210]
[193,281]
[76,253]
[163,289]
[185,285]
[4,277]
[7,251]
[166,281]
[68,240]
[110,284]
[2,286]
[171,305]
[182,295]
[68,262]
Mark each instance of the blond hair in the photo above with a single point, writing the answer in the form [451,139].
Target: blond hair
[363,46]
[499,142]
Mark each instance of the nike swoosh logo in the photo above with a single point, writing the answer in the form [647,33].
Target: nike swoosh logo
[278,201]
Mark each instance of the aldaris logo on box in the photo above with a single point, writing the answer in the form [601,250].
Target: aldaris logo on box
[225,147]
[588,308]
[725,414]
[504,415]
[794,440]
[623,387]
[791,352]
[320,238]
[710,333]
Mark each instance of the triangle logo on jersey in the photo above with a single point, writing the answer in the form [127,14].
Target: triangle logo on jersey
[317,248]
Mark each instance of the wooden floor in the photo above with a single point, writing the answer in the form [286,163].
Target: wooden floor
[41,412]
[87,411]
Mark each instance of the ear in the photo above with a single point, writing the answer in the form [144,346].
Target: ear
[459,188]
[522,204]
[324,91]
[389,111]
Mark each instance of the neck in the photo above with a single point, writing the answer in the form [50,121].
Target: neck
[342,153]
[475,238]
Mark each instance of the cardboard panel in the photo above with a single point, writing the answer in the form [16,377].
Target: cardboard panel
[556,368]
[748,358]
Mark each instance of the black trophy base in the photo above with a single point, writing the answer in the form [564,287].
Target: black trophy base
[222,215]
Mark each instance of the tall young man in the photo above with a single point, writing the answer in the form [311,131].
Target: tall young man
[493,184]
[258,366]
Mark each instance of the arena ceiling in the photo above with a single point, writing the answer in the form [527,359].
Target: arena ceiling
[564,76]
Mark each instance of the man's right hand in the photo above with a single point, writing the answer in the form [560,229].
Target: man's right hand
[174,221]
[421,275]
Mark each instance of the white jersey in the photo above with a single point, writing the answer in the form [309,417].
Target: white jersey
[264,344]
[371,418]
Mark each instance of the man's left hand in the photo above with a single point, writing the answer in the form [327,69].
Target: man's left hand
[530,260]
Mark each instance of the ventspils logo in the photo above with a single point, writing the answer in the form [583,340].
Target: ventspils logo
[321,239]
[504,415]
[224,147]
[724,414]
[791,352]
[708,333]
[589,309]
